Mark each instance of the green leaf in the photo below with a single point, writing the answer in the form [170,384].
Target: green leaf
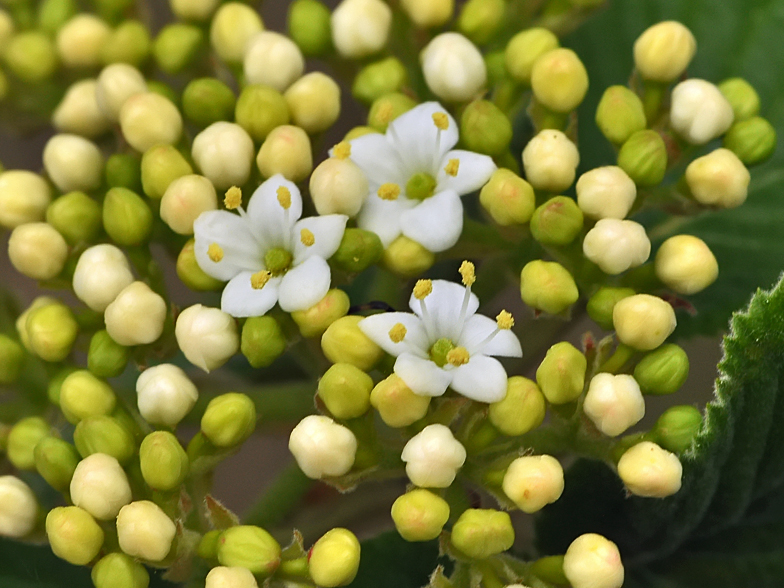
[389,561]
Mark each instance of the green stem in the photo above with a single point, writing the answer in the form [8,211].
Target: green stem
[615,363]
[279,499]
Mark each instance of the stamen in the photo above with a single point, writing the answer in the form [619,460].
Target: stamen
[505,320]
[468,271]
[307,237]
[260,279]
[422,289]
[284,197]
[215,252]
[398,332]
[441,120]
[233,198]
[389,191]
[458,356]
[342,150]
[452,167]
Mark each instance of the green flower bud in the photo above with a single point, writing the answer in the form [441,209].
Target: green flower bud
[345,390]
[208,546]
[379,78]
[313,321]
[559,80]
[145,531]
[232,27]
[525,48]
[359,249]
[73,534]
[677,427]
[420,515]
[620,114]
[508,198]
[557,222]
[118,570]
[104,434]
[387,108]
[55,461]
[663,371]
[207,100]
[309,26]
[11,358]
[484,128]
[407,258]
[601,304]
[22,439]
[480,533]
[495,62]
[742,97]
[550,569]
[644,158]
[21,321]
[126,217]
[287,151]
[177,46]
[314,102]
[123,170]
[561,375]
[31,56]
[344,342]
[163,461]
[106,359]
[334,559]
[128,43]
[259,110]
[51,331]
[522,409]
[752,140]
[76,216]
[53,389]
[53,14]
[229,419]
[249,547]
[83,395]
[396,402]
[191,274]
[480,19]
[262,341]
[548,286]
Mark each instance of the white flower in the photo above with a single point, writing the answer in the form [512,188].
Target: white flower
[416,179]
[444,343]
[268,254]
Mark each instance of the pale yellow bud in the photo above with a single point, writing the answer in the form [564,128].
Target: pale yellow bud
[233,25]
[663,52]
[230,577]
[224,154]
[614,403]
[79,113]
[73,534]
[116,83]
[453,67]
[699,112]
[593,562]
[37,250]
[100,275]
[643,321]
[165,394]
[73,163]
[314,102]
[18,508]
[274,60]
[207,336]
[360,27]
[396,403]
[136,316]
[433,457]
[184,200]
[322,447]
[286,151]
[80,40]
[200,10]
[525,48]
[99,486]
[550,160]
[617,245]
[559,80]
[606,192]
[718,179]
[338,186]
[428,13]
[648,470]
[149,119]
[534,481]
[24,197]
[686,264]
[144,530]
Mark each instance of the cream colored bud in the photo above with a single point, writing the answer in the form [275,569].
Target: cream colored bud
[136,316]
[144,530]
[593,562]
[550,160]
[18,508]
[37,250]
[99,486]
[686,264]
[79,113]
[559,80]
[606,192]
[648,470]
[184,200]
[207,336]
[396,403]
[338,186]
[322,447]
[149,119]
[224,154]
[165,394]
[200,10]
[360,27]
[428,13]
[433,457]
[80,40]
[614,403]
[24,197]
[73,163]
[617,245]
[314,102]
[100,275]
[273,59]
[718,179]
[232,27]
[230,577]
[643,321]
[699,112]
[663,52]
[286,151]
[116,83]
[534,481]
[453,67]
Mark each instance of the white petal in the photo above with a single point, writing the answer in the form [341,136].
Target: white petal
[383,217]
[304,285]
[241,251]
[476,331]
[377,328]
[327,233]
[443,309]
[417,139]
[376,156]
[240,299]
[422,375]
[272,224]
[473,172]
[436,223]
[482,378]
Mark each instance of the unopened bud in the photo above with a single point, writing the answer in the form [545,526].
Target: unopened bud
[126,217]
[344,342]
[508,198]
[18,508]
[617,245]
[207,100]
[56,382]
[136,316]
[648,470]
[525,48]
[534,481]
[752,140]
[550,160]
[481,533]
[11,359]
[600,305]
[191,274]
[123,170]
[559,80]
[106,435]
[249,547]
[378,79]
[161,165]
[591,561]
[224,154]
[207,336]
[55,461]
[260,109]
[165,395]
[144,530]
[106,358]
[338,186]
[407,258]
[22,439]
[148,119]
[643,321]
[548,286]
[358,250]
[129,43]
[73,534]
[53,14]
[115,85]
[322,447]
[606,192]
[83,395]
[428,13]
[229,419]
[420,515]
[51,331]
[686,264]
[387,108]
[614,403]
[76,216]
[80,40]
[177,46]
[273,60]
[480,19]
[262,341]
[718,179]
[699,112]
[453,67]
[286,151]
[99,486]
[233,25]
[117,570]
[78,111]
[663,52]
[24,198]
[163,461]
[561,375]
[677,427]
[21,321]
[102,272]
[230,577]
[314,102]
[397,404]
[620,114]
[742,97]
[345,391]
[484,128]
[644,158]
[31,56]
[521,410]
[433,457]
[184,200]
[37,250]
[309,26]
[663,371]
[557,222]
[360,27]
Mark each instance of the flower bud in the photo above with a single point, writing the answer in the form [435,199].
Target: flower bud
[718,179]
[104,434]
[24,197]
[686,264]
[322,447]
[199,10]
[73,534]
[617,245]
[433,457]
[345,391]
[123,170]
[484,128]
[479,20]
[164,463]
[76,216]
[83,395]
[144,530]
[606,192]
[226,577]
[663,371]
[11,359]
[56,381]
[397,404]
[232,27]
[420,515]
[191,274]
[521,410]
[102,272]
[286,151]
[387,108]
[644,158]
[207,336]
[358,250]
[207,100]
[31,56]
[37,250]
[165,395]
[548,286]
[453,67]
[249,547]
[525,48]
[224,154]
[614,403]
[117,570]
[21,321]
[229,419]
[51,331]
[561,375]
[314,102]
[752,140]
[309,26]
[407,258]
[260,109]
[360,27]
[106,358]
[699,112]
[508,198]
[80,40]
[677,427]
[648,470]
[18,508]
[742,96]
[593,562]
[557,222]
[620,114]
[161,165]
[643,321]
[78,111]
[338,186]
[274,60]
[55,461]
[148,119]
[262,341]
[136,316]
[428,13]
[600,305]
[663,52]
[344,342]
[184,200]
[22,439]
[334,559]
[115,85]
[177,46]
[534,481]
[550,160]
[126,217]
[559,80]
[99,486]
[378,79]
[129,43]
[481,533]
[313,321]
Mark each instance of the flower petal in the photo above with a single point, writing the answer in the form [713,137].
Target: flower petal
[304,285]
[436,223]
[376,156]
[482,378]
[377,328]
[444,305]
[473,172]
[240,299]
[475,336]
[271,223]
[327,232]
[383,217]
[422,375]
[241,251]
[418,141]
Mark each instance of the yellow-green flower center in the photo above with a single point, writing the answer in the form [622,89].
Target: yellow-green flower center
[439,350]
[277,260]
[421,186]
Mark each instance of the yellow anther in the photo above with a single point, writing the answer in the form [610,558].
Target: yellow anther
[468,271]
[389,191]
[284,197]
[452,167]
[233,198]
[342,150]
[215,252]
[385,113]
[260,279]
[505,320]
[458,356]
[422,289]
[398,332]
[441,120]
[307,237]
